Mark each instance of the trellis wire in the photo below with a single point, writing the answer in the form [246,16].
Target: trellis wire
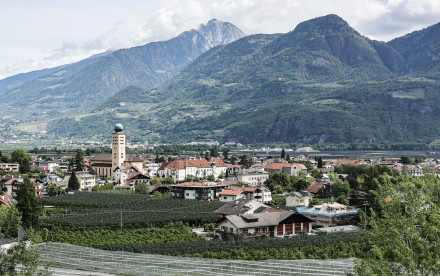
[69,256]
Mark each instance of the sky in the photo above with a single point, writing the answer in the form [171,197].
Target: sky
[47,33]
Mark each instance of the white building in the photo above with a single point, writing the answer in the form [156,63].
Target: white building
[298,199]
[262,195]
[180,169]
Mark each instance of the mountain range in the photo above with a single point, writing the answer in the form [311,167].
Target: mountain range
[73,88]
[321,82]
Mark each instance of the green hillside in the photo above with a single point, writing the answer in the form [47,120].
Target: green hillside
[76,88]
[321,82]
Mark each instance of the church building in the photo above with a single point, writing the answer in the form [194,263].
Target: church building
[104,164]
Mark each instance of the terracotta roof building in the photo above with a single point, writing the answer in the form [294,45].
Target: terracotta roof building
[290,169]
[180,169]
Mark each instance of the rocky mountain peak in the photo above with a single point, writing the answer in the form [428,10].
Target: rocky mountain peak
[325,25]
[218,32]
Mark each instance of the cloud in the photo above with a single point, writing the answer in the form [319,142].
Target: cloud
[377,19]
[399,17]
[174,17]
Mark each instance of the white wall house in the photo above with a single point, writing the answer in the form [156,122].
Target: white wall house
[298,199]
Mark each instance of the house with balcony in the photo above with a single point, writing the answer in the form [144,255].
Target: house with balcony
[274,224]
[260,194]
[9,167]
[197,190]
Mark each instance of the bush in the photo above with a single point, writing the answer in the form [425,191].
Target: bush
[142,188]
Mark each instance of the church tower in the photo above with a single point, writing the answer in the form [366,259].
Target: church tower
[118,147]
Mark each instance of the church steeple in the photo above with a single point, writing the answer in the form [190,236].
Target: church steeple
[118,147]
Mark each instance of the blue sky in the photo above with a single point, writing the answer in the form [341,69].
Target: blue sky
[46,33]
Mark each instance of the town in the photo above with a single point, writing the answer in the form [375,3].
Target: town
[278,196]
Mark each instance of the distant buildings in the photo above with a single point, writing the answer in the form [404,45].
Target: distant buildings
[9,167]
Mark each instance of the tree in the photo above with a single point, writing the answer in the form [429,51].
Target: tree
[73,182]
[22,259]
[301,184]
[155,180]
[210,178]
[283,154]
[406,160]
[214,152]
[225,154]
[277,178]
[53,189]
[142,188]
[404,233]
[233,159]
[10,221]
[4,158]
[340,188]
[320,163]
[168,180]
[246,160]
[79,160]
[316,173]
[36,169]
[28,204]
[88,152]
[23,158]
[287,157]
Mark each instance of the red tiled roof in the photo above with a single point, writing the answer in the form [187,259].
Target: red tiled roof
[314,187]
[4,200]
[230,192]
[245,189]
[197,184]
[192,184]
[163,166]
[218,162]
[272,210]
[346,161]
[184,163]
[132,174]
[102,157]
[277,166]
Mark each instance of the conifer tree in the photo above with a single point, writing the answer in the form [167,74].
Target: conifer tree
[79,160]
[73,182]
[28,204]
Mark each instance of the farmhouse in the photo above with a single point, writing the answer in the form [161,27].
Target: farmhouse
[244,206]
[275,224]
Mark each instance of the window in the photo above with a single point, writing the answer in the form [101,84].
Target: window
[224,197]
